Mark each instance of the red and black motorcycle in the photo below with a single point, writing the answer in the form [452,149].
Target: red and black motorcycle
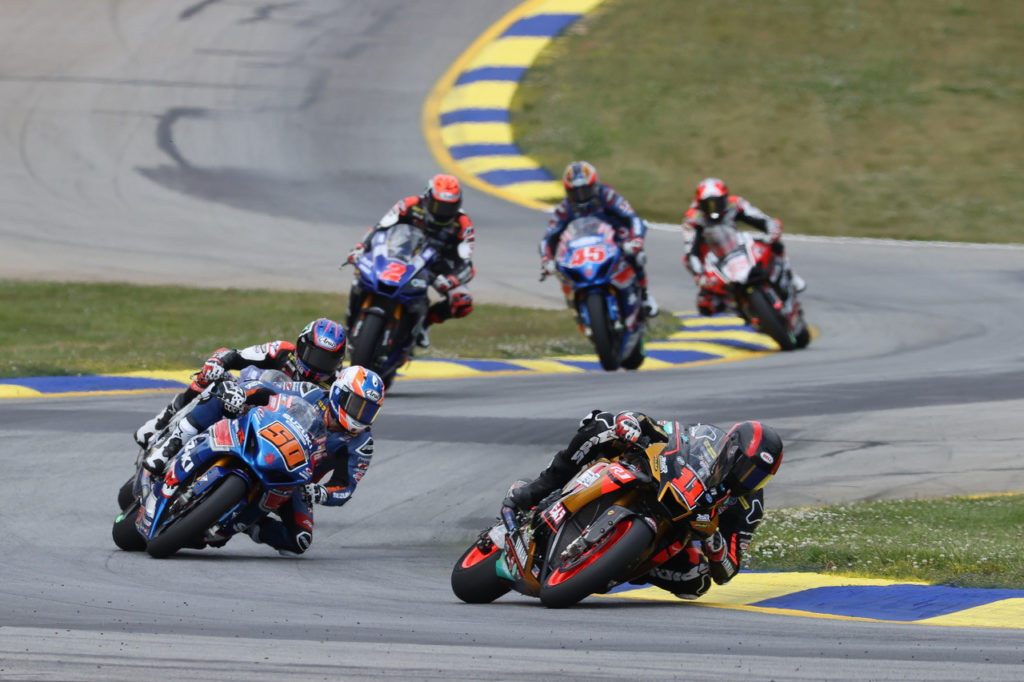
[612,523]
[757,282]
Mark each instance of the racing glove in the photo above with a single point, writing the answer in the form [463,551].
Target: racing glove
[627,428]
[213,369]
[547,267]
[775,231]
[316,493]
[355,254]
[445,283]
[631,247]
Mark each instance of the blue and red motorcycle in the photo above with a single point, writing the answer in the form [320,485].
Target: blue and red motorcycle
[224,480]
[394,274]
[605,291]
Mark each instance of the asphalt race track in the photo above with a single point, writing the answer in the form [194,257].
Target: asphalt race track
[250,144]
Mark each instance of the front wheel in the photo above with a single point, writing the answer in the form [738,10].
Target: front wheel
[769,320]
[366,346]
[597,568]
[192,526]
[126,535]
[475,576]
[126,494]
[601,332]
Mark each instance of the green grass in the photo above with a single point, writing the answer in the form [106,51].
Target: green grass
[56,329]
[959,541]
[864,118]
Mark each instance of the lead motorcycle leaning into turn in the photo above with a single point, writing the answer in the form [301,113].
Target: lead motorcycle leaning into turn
[613,522]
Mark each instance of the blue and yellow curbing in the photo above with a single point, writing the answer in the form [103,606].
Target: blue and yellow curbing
[699,341]
[861,599]
[466,118]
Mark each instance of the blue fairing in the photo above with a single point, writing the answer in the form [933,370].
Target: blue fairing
[396,270]
[270,448]
[589,259]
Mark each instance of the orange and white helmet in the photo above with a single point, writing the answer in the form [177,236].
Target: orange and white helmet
[443,198]
[581,183]
[355,398]
[712,199]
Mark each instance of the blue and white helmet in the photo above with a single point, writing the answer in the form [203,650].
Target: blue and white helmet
[355,398]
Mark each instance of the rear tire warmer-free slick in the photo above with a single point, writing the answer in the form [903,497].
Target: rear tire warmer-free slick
[606,561]
[194,524]
[601,333]
[475,579]
[365,349]
[770,320]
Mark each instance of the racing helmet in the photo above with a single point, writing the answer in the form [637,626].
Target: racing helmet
[355,398]
[712,199]
[581,185]
[319,351]
[752,453]
[442,199]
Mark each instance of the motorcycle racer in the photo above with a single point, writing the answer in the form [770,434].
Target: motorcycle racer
[749,457]
[316,356]
[586,195]
[438,211]
[714,205]
[347,410]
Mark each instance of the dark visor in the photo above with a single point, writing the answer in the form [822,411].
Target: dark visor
[749,475]
[442,211]
[320,359]
[359,408]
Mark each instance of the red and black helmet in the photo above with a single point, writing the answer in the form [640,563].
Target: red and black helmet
[712,199]
[751,454]
[581,184]
[443,198]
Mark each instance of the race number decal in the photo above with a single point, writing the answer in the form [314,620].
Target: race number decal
[289,448]
[394,272]
[687,487]
[590,254]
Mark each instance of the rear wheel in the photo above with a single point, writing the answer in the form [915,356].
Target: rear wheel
[601,332]
[769,320]
[191,527]
[366,346]
[597,568]
[475,576]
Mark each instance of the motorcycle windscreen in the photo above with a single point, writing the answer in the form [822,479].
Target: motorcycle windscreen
[721,239]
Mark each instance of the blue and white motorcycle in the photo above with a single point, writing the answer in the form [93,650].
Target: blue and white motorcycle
[224,480]
[605,291]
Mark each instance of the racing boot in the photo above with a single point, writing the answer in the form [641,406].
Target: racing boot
[157,458]
[650,305]
[154,426]
[423,338]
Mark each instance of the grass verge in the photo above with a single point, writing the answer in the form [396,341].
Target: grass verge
[865,118]
[57,329]
[959,541]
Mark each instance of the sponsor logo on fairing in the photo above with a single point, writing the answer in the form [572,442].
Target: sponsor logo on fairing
[520,550]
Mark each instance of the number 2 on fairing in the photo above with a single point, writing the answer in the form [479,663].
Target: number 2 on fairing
[394,272]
